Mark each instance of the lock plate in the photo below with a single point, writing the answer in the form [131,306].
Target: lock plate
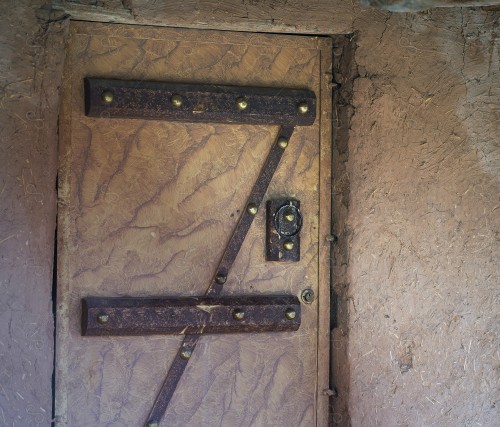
[283,225]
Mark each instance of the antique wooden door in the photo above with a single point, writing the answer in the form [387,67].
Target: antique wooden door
[146,208]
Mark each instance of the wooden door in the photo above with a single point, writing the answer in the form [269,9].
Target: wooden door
[146,208]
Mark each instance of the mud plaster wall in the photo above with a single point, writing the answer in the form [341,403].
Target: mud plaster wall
[416,196]
[424,219]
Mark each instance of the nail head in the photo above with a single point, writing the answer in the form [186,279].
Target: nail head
[103,318]
[238,314]
[290,313]
[303,108]
[221,278]
[186,353]
[242,104]
[282,142]
[176,100]
[252,209]
[107,97]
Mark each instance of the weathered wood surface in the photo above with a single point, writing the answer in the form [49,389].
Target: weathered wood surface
[284,16]
[29,104]
[146,208]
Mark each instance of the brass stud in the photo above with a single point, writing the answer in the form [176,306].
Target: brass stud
[220,278]
[238,314]
[103,318]
[289,217]
[107,97]
[153,423]
[282,142]
[242,104]
[176,100]
[290,313]
[186,353]
[307,296]
[303,108]
[252,209]
[288,245]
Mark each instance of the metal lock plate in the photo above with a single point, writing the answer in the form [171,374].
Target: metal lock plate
[283,225]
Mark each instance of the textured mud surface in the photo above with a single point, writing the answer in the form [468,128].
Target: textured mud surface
[423,221]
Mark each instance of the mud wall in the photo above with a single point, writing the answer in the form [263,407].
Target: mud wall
[423,220]
[416,195]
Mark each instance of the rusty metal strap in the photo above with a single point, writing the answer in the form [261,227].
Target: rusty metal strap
[248,214]
[103,316]
[131,99]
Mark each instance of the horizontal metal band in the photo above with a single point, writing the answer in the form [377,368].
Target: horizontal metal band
[189,316]
[198,102]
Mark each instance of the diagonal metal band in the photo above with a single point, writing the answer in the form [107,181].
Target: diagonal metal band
[253,202]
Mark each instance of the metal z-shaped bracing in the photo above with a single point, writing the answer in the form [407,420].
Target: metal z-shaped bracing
[190,316]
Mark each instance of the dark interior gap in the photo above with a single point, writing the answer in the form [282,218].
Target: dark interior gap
[54,312]
[343,75]
[332,296]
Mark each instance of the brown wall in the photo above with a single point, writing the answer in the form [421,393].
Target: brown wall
[417,191]
[423,220]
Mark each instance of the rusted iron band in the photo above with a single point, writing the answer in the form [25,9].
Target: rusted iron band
[188,315]
[173,377]
[255,199]
[198,102]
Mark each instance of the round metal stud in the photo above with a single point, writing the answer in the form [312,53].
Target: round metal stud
[107,97]
[186,353]
[242,104]
[290,313]
[289,216]
[252,209]
[303,108]
[153,423]
[176,100]
[282,142]
[307,296]
[288,245]
[102,318]
[238,314]
[221,278]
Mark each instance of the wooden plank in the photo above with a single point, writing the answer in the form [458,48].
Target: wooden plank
[31,73]
[139,220]
[283,16]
